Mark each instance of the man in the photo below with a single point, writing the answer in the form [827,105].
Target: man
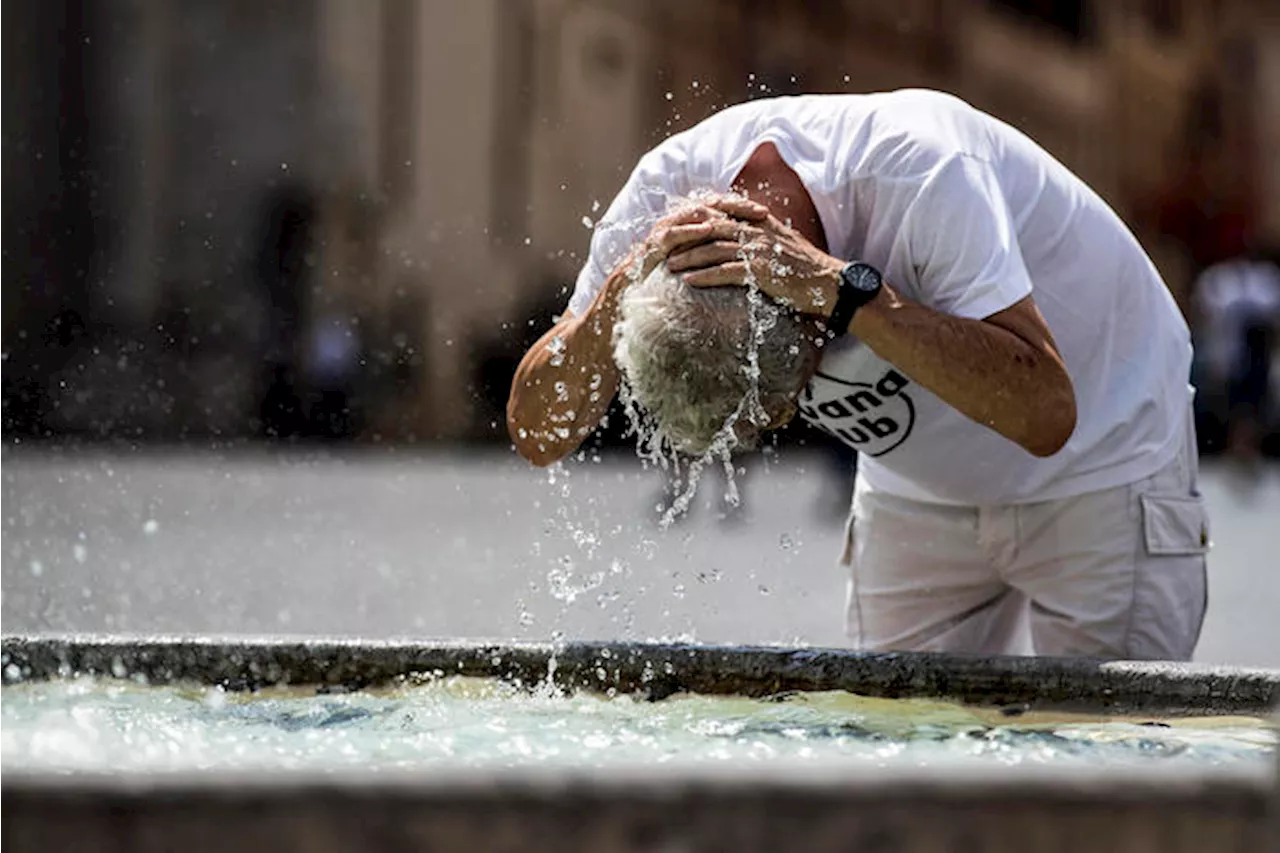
[1005,357]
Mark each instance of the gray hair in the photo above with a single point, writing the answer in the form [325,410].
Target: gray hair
[699,368]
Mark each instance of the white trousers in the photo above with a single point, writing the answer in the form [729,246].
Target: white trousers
[1118,573]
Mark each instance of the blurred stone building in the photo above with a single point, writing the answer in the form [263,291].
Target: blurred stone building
[375,199]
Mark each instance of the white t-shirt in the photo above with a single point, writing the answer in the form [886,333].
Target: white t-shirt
[965,215]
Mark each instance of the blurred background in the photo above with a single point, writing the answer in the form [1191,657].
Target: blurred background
[269,266]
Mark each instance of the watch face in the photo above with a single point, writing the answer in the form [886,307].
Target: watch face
[862,277]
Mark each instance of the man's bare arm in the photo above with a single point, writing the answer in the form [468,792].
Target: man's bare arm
[565,382]
[1004,372]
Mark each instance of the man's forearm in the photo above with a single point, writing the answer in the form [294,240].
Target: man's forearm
[987,372]
[565,382]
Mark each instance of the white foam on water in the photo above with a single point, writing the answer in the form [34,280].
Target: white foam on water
[97,725]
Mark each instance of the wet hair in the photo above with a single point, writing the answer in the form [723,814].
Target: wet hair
[685,354]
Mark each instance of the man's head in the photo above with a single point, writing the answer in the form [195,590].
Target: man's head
[687,355]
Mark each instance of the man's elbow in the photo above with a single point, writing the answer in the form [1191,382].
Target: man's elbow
[531,447]
[1056,420]
[538,458]
[538,446]
[535,452]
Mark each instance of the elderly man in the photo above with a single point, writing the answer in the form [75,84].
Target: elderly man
[1002,353]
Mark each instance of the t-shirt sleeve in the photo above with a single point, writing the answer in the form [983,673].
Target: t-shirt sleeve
[963,242]
[634,211]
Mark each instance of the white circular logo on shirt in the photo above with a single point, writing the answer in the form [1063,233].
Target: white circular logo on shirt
[872,417]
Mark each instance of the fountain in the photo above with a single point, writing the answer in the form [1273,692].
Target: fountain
[686,800]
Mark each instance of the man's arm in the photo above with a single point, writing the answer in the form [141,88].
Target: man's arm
[565,382]
[1003,371]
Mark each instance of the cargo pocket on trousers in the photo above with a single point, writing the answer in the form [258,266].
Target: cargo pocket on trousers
[1174,526]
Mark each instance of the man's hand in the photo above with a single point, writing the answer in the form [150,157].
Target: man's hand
[694,225]
[747,243]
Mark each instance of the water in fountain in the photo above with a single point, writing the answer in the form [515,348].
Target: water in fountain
[110,725]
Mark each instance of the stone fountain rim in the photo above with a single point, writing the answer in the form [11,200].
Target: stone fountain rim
[656,670]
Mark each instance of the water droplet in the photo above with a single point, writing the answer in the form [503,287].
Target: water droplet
[669,95]
[785,542]
[556,347]
[79,553]
[586,222]
[37,568]
[150,526]
[764,590]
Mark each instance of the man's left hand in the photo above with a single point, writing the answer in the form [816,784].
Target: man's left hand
[756,246]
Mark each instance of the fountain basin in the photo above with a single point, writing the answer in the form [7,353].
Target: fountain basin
[780,802]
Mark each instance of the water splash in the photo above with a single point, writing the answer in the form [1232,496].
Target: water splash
[565,584]
[438,721]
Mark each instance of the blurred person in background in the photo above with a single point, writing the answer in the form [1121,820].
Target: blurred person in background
[286,235]
[1238,306]
[1003,354]
[332,373]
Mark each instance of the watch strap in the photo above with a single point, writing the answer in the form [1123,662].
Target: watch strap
[849,298]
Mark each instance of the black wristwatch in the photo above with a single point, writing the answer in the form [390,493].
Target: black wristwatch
[859,284]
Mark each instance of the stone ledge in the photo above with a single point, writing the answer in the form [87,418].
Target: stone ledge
[659,670]
[769,817]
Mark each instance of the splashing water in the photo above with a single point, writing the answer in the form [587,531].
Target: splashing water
[566,585]
[584,569]
[97,725]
